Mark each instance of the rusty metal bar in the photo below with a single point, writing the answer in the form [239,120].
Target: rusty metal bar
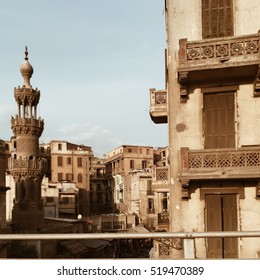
[182,235]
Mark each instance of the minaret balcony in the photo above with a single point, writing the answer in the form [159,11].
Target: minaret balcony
[231,60]
[237,163]
[158,106]
[26,125]
[34,165]
[27,95]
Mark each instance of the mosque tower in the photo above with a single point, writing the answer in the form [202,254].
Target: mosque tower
[25,165]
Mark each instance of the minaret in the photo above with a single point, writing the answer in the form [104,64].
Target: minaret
[25,165]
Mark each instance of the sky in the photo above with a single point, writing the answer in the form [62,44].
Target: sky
[94,62]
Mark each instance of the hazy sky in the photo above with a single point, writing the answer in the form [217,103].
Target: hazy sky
[94,62]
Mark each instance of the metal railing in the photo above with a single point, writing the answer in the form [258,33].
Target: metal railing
[187,237]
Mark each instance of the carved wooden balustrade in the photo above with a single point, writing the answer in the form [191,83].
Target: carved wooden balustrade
[161,173]
[222,59]
[220,163]
[158,105]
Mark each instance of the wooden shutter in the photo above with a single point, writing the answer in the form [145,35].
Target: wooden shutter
[229,203]
[214,223]
[219,120]
[221,215]
[217,18]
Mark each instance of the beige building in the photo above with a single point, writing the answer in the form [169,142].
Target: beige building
[71,163]
[211,104]
[3,188]
[119,163]
[101,193]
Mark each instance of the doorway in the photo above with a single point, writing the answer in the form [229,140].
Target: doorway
[221,215]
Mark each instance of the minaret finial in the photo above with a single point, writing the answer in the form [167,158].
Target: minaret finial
[26,53]
[26,69]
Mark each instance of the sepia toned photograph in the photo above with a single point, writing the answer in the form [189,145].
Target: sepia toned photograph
[130,129]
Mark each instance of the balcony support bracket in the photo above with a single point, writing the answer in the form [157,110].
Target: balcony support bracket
[183,81]
[257,83]
[185,188]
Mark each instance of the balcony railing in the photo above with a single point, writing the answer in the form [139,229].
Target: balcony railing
[158,105]
[27,121]
[163,218]
[28,164]
[160,173]
[205,61]
[221,163]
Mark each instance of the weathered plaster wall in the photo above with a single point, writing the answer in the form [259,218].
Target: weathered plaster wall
[246,19]
[248,116]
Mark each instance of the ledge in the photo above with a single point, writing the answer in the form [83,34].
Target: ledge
[229,60]
[158,106]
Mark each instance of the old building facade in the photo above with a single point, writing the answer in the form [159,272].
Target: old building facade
[211,104]
[3,187]
[101,193]
[72,163]
[120,163]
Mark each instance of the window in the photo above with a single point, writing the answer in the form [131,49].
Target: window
[59,146]
[60,176]
[49,199]
[60,161]
[79,162]
[164,202]
[80,178]
[69,160]
[130,150]
[217,18]
[132,164]
[144,164]
[151,209]
[65,200]
[69,177]
[219,120]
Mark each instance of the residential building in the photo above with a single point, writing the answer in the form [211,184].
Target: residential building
[3,188]
[72,163]
[211,104]
[101,193]
[119,163]
[158,194]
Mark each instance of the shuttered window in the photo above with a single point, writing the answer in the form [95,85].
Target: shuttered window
[217,18]
[219,120]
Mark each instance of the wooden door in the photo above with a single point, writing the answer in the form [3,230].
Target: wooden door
[221,215]
[219,120]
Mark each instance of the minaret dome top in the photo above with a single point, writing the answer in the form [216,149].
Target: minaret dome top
[26,70]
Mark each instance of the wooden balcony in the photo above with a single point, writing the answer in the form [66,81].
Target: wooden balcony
[237,163]
[158,106]
[160,178]
[229,60]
